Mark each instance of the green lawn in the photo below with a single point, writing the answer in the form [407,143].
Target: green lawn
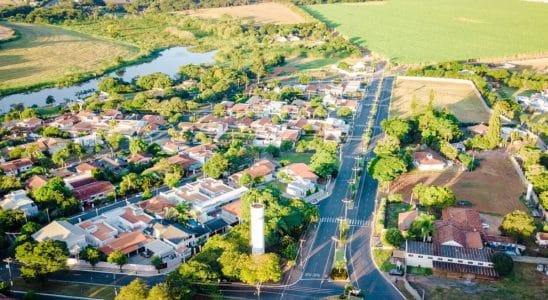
[65,288]
[296,157]
[415,31]
[382,259]
[419,271]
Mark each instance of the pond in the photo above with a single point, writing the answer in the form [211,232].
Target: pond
[168,61]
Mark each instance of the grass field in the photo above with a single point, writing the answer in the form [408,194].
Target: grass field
[295,157]
[262,13]
[66,288]
[458,98]
[47,53]
[419,31]
[494,187]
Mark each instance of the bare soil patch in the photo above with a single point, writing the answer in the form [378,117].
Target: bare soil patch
[6,33]
[262,13]
[494,187]
[537,64]
[460,99]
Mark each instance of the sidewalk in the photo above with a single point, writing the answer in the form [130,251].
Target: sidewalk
[531,259]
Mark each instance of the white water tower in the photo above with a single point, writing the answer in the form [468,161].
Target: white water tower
[257,228]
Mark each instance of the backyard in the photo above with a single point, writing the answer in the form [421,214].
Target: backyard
[293,157]
[48,53]
[460,99]
[494,187]
[440,30]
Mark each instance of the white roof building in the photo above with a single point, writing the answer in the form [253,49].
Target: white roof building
[73,236]
[19,200]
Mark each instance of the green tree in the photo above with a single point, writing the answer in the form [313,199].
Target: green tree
[344,112]
[159,292]
[92,255]
[394,237]
[60,157]
[246,180]
[215,166]
[154,80]
[182,213]
[386,168]
[503,263]
[30,228]
[50,100]
[494,132]
[135,290]
[118,258]
[203,138]
[261,268]
[130,182]
[320,112]
[324,163]
[434,196]
[219,110]
[422,227]
[41,259]
[518,224]
[389,145]
[171,179]
[276,119]
[11,219]
[137,145]
[157,262]
[398,128]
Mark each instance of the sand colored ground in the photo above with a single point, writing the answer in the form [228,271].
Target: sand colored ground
[6,33]
[458,98]
[261,13]
[494,187]
[537,64]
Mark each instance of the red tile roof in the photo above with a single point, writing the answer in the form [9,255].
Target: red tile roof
[85,192]
[126,243]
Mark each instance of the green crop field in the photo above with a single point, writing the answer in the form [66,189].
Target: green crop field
[419,31]
[47,54]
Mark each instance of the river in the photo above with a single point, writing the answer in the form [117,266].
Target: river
[168,61]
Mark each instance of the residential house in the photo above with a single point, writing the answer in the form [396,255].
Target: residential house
[480,129]
[352,87]
[232,212]
[263,169]
[542,239]
[30,123]
[158,206]
[459,227]
[185,161]
[429,160]
[238,109]
[405,219]
[85,168]
[201,153]
[127,243]
[72,235]
[87,189]
[98,231]
[128,218]
[154,120]
[88,140]
[173,147]
[19,200]
[112,114]
[299,171]
[216,226]
[205,194]
[140,158]
[35,181]
[181,238]
[17,166]
[300,188]
[64,122]
[451,260]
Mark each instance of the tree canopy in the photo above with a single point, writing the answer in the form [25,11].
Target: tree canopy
[41,259]
[518,224]
[434,196]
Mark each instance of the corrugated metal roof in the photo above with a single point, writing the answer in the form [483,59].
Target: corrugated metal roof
[460,268]
[484,254]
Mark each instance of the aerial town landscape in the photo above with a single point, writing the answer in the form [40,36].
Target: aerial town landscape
[297,149]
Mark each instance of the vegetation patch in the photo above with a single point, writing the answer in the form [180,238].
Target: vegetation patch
[419,271]
[441,30]
[392,212]
[458,98]
[52,54]
[382,259]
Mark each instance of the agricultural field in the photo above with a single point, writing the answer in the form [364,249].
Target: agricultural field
[459,98]
[262,13]
[47,53]
[11,2]
[494,187]
[426,31]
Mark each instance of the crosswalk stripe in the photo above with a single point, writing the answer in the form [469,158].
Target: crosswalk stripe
[351,222]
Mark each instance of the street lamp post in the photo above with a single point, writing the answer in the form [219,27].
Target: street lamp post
[9,260]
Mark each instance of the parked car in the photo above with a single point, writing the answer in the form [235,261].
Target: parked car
[396,272]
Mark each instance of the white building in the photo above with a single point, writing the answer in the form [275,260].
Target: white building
[73,236]
[300,188]
[450,258]
[19,200]
[257,228]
